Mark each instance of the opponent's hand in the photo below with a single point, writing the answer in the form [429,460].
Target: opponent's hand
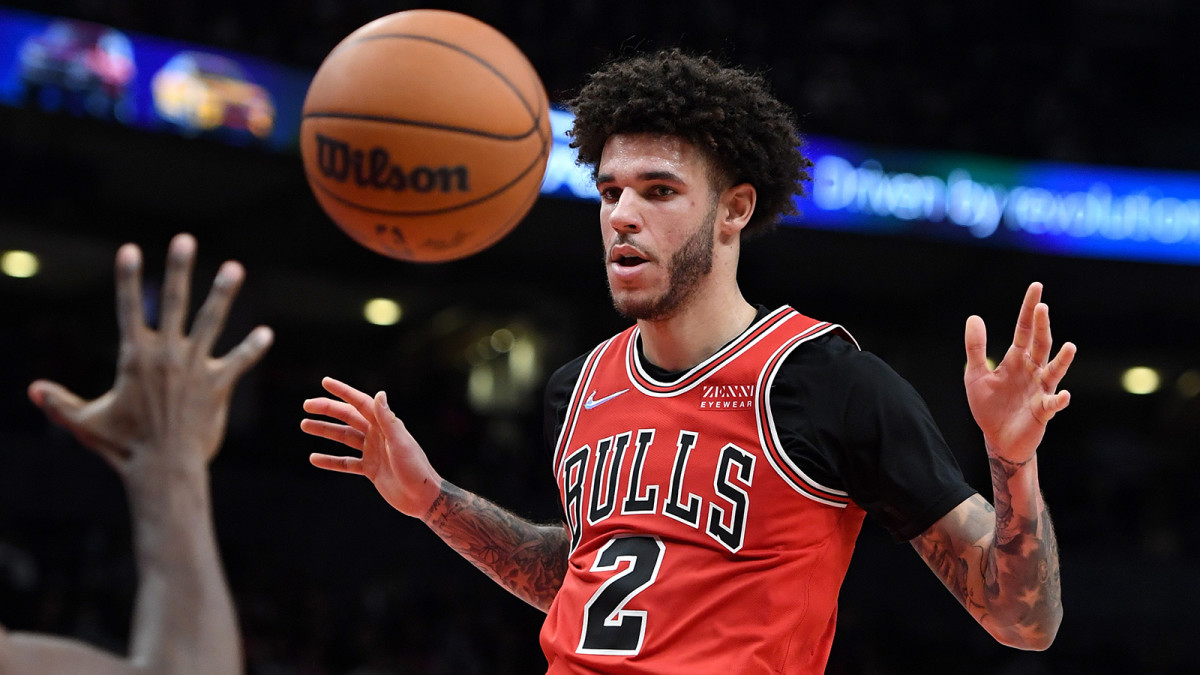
[169,393]
[1012,403]
[391,458]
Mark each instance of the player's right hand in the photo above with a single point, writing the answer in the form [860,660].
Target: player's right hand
[391,458]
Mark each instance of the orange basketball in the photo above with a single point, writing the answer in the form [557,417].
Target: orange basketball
[425,135]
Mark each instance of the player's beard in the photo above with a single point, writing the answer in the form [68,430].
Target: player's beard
[691,263]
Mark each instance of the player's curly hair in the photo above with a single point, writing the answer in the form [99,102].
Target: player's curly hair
[726,112]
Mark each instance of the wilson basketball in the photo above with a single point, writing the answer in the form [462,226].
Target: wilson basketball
[425,135]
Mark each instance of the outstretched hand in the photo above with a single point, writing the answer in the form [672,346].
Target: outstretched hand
[1013,402]
[391,458]
[169,392]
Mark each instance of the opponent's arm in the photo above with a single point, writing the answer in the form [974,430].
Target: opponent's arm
[159,426]
[35,653]
[1002,562]
[528,559]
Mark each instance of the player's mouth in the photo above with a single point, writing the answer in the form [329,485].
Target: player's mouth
[624,261]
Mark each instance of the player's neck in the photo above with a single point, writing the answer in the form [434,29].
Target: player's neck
[697,330]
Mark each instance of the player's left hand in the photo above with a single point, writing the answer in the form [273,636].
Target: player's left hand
[1013,402]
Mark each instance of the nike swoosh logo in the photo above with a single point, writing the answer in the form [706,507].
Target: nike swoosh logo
[592,402]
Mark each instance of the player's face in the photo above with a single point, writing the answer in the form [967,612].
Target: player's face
[657,212]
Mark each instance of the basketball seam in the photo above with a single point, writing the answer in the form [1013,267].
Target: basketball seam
[427,125]
[509,224]
[410,36]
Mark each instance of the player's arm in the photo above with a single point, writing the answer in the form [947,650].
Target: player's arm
[1001,562]
[528,559]
[36,653]
[159,426]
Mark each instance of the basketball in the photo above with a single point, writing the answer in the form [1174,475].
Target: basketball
[425,135]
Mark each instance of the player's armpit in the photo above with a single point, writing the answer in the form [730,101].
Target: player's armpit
[528,559]
[1012,590]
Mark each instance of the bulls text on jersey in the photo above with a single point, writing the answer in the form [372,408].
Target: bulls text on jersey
[592,487]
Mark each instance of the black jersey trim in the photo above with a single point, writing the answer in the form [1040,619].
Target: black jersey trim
[768,435]
[577,397]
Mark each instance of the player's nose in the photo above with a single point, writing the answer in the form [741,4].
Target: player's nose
[625,214]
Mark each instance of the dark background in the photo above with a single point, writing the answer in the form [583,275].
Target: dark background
[328,579]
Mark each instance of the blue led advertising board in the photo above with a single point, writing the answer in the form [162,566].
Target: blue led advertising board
[86,69]
[1046,207]
[1055,208]
[1049,207]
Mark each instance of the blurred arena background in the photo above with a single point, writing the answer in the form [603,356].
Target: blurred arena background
[329,580]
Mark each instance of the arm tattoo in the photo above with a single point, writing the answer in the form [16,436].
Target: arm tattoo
[529,560]
[1025,550]
[1002,470]
[1000,564]
[950,558]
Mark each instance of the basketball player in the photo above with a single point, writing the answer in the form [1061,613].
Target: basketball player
[159,427]
[715,461]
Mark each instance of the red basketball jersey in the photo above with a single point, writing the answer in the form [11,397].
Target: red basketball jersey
[697,545]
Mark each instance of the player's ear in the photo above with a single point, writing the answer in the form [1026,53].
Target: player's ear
[737,206]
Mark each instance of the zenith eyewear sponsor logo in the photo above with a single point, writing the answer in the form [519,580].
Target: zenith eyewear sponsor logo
[727,397]
[592,401]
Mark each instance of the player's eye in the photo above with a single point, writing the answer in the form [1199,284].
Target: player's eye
[610,195]
[662,191]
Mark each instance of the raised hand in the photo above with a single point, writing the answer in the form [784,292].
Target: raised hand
[1013,402]
[169,391]
[159,426]
[390,458]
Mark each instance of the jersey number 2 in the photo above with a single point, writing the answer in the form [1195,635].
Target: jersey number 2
[608,627]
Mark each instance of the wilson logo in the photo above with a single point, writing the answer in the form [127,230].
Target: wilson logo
[338,160]
[727,397]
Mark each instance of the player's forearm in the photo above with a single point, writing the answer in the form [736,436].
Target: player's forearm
[184,620]
[1021,575]
[529,560]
